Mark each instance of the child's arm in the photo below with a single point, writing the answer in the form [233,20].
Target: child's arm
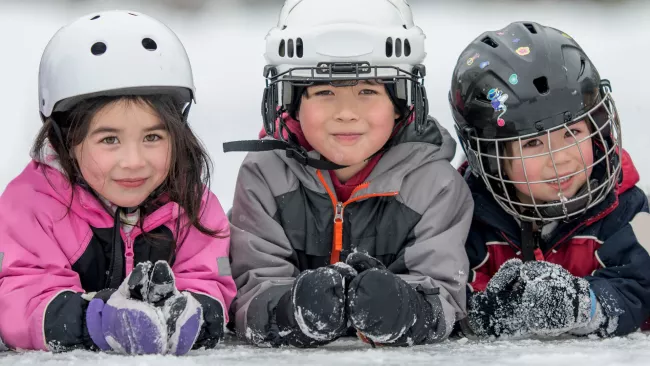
[260,252]
[40,295]
[622,286]
[436,257]
[202,266]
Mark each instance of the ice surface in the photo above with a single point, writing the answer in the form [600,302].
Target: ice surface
[629,351]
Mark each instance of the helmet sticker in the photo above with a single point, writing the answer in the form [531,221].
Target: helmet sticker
[498,100]
[523,51]
[484,64]
[513,79]
[516,40]
[471,60]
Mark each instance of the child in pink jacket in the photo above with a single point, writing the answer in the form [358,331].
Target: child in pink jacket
[110,239]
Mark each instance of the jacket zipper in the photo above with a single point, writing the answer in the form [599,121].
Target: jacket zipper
[339,208]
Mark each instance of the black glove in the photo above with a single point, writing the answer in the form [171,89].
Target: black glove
[497,311]
[312,313]
[385,309]
[555,301]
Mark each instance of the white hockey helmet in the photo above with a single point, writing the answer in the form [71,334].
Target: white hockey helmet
[319,41]
[113,53]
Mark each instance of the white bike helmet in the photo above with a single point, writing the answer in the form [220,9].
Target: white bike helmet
[113,53]
[319,41]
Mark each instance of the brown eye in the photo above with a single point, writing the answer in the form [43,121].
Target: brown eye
[111,140]
[532,143]
[152,138]
[368,92]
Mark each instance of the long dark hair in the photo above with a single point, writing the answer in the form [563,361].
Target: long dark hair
[189,170]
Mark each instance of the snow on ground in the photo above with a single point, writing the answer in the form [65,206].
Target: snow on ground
[629,351]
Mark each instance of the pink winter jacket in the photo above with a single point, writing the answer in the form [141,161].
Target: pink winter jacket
[40,241]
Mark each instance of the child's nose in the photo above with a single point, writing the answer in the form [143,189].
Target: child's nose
[132,157]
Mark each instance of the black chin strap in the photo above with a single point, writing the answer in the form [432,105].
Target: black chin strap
[293,151]
[529,241]
[290,145]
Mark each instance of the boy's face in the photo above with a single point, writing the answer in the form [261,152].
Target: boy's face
[347,124]
[570,153]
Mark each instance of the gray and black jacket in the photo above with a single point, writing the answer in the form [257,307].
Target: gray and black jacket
[414,216]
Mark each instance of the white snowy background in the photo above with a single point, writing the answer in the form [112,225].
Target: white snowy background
[225,41]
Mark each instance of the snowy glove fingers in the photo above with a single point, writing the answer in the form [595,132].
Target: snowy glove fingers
[507,277]
[117,322]
[315,307]
[152,283]
[184,320]
[384,308]
[554,301]
[182,312]
[362,261]
[496,312]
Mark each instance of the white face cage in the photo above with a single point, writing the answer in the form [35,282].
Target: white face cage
[486,157]
[316,42]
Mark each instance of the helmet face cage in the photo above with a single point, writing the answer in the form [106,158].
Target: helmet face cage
[409,85]
[487,157]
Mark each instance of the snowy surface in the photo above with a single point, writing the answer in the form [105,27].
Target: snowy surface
[630,351]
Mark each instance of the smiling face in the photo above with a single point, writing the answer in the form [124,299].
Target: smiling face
[572,152]
[347,124]
[126,153]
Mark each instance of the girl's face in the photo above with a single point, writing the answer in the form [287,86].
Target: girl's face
[126,154]
[347,124]
[540,168]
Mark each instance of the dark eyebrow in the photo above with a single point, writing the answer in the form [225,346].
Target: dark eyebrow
[156,127]
[104,130]
[100,130]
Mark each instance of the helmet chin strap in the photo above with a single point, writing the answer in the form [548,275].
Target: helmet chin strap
[290,146]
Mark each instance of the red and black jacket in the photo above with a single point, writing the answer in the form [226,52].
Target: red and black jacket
[599,246]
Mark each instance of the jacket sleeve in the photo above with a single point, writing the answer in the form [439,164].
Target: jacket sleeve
[435,258]
[261,252]
[40,295]
[622,285]
[202,264]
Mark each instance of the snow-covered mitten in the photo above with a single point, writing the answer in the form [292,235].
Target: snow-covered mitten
[361,262]
[388,311]
[312,313]
[116,321]
[496,312]
[182,312]
[555,301]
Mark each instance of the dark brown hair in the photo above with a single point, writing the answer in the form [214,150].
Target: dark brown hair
[190,166]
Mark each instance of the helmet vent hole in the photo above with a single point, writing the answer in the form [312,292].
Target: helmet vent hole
[95,17]
[281,48]
[582,67]
[389,47]
[299,49]
[98,48]
[149,44]
[407,48]
[541,83]
[482,97]
[490,42]
[290,48]
[398,47]
[135,15]
[531,28]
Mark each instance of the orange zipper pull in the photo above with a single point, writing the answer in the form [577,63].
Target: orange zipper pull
[337,246]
